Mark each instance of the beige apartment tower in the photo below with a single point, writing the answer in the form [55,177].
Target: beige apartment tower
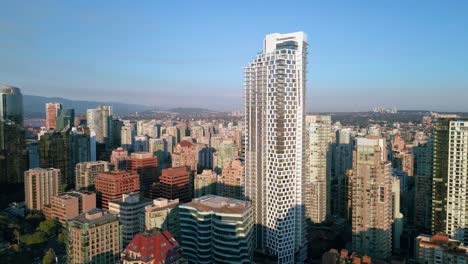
[39,187]
[318,169]
[370,187]
[86,172]
[233,179]
[163,214]
[94,237]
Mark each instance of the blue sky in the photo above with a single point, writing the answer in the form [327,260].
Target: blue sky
[407,54]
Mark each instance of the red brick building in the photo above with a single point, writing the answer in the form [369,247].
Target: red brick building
[174,183]
[111,185]
[146,165]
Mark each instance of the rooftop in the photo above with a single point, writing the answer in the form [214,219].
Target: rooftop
[161,204]
[219,204]
[158,246]
[117,174]
[42,169]
[131,199]
[98,162]
[141,155]
[442,241]
[175,171]
[94,216]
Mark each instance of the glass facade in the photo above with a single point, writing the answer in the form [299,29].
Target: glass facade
[13,155]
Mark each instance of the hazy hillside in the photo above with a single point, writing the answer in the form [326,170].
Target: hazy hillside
[34,106]
[184,110]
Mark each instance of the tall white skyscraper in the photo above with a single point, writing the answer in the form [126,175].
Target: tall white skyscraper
[318,170]
[457,201]
[275,83]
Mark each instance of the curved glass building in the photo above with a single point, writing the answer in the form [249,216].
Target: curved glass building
[216,229]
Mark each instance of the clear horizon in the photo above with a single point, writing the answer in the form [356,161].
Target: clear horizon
[184,54]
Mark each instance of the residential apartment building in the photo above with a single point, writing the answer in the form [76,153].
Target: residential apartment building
[69,205]
[318,169]
[94,237]
[40,185]
[86,173]
[233,180]
[275,89]
[163,214]
[205,183]
[440,249]
[370,187]
[457,189]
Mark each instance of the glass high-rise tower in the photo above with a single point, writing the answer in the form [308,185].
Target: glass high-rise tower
[12,136]
[275,146]
[11,104]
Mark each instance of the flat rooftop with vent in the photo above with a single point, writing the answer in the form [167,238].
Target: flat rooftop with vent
[219,204]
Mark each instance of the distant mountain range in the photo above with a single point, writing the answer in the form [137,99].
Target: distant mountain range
[34,106]
[182,110]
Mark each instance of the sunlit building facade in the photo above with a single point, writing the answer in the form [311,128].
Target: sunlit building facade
[275,84]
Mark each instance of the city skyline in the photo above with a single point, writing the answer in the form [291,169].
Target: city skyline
[361,55]
[286,132]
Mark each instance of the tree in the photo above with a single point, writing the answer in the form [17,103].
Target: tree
[34,219]
[62,237]
[49,257]
[32,239]
[49,227]
[17,234]
[16,231]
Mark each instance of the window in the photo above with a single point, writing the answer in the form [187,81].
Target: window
[382,194]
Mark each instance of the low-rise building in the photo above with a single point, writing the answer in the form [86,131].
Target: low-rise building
[440,249]
[69,205]
[205,183]
[232,180]
[332,256]
[152,248]
[163,214]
